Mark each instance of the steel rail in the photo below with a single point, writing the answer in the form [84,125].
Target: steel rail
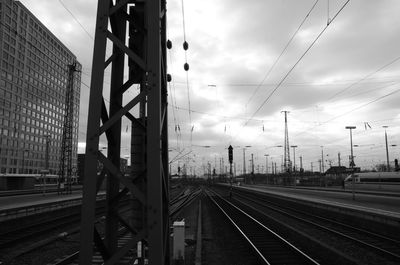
[342,234]
[277,236]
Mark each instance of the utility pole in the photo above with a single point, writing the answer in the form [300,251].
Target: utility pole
[301,163]
[137,32]
[286,160]
[387,150]
[320,166]
[312,168]
[252,164]
[322,159]
[338,155]
[244,161]
[351,128]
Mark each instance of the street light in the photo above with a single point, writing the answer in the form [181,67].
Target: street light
[352,157]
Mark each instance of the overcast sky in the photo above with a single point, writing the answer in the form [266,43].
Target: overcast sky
[350,76]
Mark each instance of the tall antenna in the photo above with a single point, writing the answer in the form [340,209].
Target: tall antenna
[286,160]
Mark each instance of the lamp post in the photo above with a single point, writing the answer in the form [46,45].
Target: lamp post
[387,150]
[352,157]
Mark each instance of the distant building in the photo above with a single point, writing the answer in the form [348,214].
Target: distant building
[33,83]
[336,170]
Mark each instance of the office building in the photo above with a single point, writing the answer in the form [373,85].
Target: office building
[33,85]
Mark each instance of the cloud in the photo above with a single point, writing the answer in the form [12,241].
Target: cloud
[232,46]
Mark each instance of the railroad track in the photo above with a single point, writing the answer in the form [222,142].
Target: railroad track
[180,201]
[385,246]
[270,247]
[185,198]
[13,237]
[72,259]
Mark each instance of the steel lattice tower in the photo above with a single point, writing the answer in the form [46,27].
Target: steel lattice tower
[286,157]
[65,166]
[144,23]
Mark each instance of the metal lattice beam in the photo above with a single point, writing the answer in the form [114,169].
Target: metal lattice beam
[65,167]
[148,186]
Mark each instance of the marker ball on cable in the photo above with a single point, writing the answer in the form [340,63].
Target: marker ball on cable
[169,44]
[185,46]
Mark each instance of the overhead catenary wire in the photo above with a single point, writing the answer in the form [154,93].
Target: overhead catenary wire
[294,66]
[281,54]
[352,110]
[218,115]
[172,94]
[77,21]
[186,67]
[364,78]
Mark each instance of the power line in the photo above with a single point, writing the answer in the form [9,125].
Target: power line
[313,83]
[217,115]
[77,21]
[364,105]
[186,67]
[297,62]
[352,110]
[283,51]
[365,77]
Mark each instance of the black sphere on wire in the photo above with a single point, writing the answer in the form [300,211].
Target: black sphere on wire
[169,44]
[186,66]
[185,45]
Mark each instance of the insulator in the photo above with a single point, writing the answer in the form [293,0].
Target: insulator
[185,46]
[186,66]
[169,78]
[169,44]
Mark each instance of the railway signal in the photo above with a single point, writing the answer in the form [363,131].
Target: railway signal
[230,154]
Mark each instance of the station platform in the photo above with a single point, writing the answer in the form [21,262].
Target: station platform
[377,207]
[12,202]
